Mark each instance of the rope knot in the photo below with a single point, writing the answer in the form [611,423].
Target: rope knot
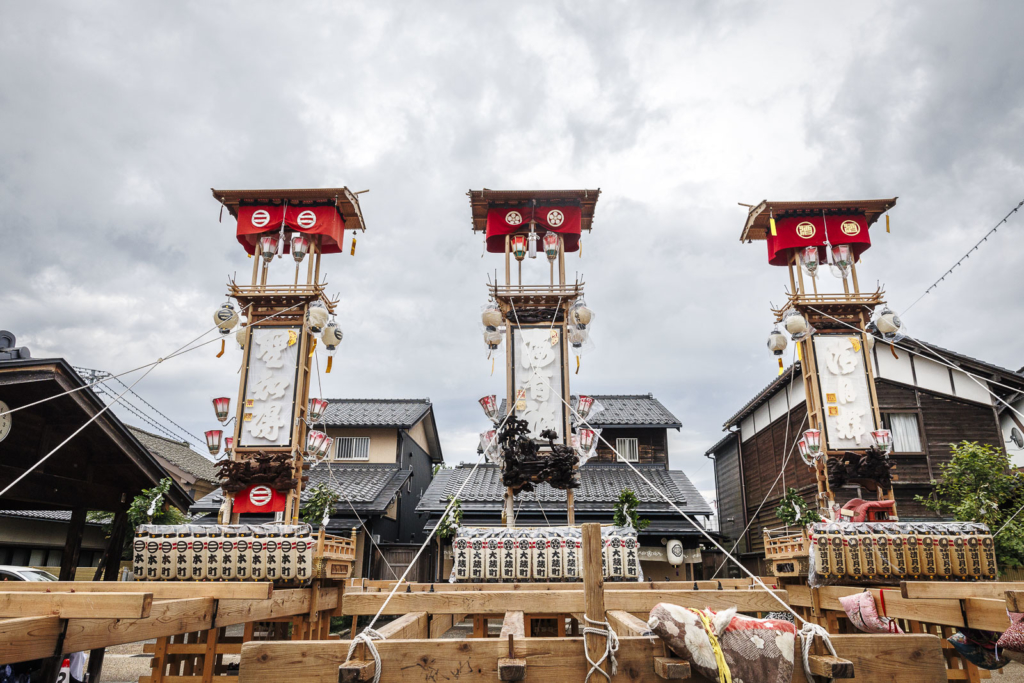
[610,648]
[366,638]
[807,633]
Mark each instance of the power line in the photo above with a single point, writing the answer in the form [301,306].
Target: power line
[965,256]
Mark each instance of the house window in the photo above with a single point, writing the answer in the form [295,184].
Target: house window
[352,448]
[628,450]
[906,433]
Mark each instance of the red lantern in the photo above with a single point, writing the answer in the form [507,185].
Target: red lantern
[221,406]
[268,246]
[551,246]
[812,437]
[519,247]
[584,406]
[490,406]
[213,440]
[882,439]
[300,247]
[229,444]
[317,408]
[325,448]
[802,447]
[314,442]
[586,439]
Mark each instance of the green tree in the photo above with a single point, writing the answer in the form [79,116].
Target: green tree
[149,507]
[321,500]
[980,485]
[627,511]
[447,527]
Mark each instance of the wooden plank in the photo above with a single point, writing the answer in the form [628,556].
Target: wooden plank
[671,668]
[946,612]
[76,605]
[440,624]
[29,638]
[412,626]
[593,594]
[167,617]
[386,586]
[1014,600]
[513,625]
[986,614]
[283,603]
[553,602]
[945,590]
[161,590]
[830,666]
[908,659]
[625,624]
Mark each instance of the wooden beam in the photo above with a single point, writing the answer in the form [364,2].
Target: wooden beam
[945,590]
[829,666]
[593,592]
[386,586]
[439,625]
[22,640]
[512,668]
[910,658]
[161,590]
[671,668]
[412,626]
[167,617]
[625,624]
[76,605]
[72,545]
[554,602]
[283,603]
[48,489]
[986,614]
[513,626]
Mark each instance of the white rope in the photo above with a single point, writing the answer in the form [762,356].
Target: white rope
[807,633]
[366,638]
[611,646]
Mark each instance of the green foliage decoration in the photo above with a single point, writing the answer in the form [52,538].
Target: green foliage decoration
[627,511]
[320,501]
[451,522]
[793,510]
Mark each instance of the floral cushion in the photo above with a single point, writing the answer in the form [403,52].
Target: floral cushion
[860,609]
[755,650]
[1011,643]
[978,648]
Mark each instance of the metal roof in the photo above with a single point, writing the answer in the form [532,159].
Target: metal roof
[628,410]
[369,486]
[179,454]
[399,413]
[601,486]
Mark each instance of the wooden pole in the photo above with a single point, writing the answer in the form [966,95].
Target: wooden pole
[561,261]
[570,505]
[593,588]
[72,545]
[508,262]
[257,258]
[509,513]
[109,566]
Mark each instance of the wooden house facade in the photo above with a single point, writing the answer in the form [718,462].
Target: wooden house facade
[927,405]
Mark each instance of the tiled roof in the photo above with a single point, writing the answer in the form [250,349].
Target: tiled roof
[721,442]
[49,515]
[178,454]
[601,485]
[400,413]
[369,486]
[623,410]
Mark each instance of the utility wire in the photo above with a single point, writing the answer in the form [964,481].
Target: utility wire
[965,256]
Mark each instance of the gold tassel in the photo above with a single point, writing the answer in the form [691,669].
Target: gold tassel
[799,352]
[353,252]
[330,361]
[771,221]
[893,349]
[887,222]
[581,247]
[780,365]
[221,349]
[312,348]
[577,365]
[492,367]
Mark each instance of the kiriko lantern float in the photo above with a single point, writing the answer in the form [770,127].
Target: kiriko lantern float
[539,323]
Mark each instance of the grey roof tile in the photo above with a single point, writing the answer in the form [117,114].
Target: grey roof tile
[401,413]
[624,410]
[601,485]
[369,486]
[50,515]
[178,453]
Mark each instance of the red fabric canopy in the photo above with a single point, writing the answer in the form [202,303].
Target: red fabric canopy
[797,232]
[259,219]
[258,498]
[565,220]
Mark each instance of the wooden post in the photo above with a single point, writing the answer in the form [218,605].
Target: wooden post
[72,545]
[509,511]
[109,565]
[593,588]
[570,506]
[561,261]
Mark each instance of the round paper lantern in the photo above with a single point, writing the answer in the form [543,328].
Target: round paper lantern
[332,336]
[777,342]
[316,317]
[225,318]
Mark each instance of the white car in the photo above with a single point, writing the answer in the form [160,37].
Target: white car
[9,573]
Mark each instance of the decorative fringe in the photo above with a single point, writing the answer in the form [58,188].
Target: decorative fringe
[221,349]
[330,361]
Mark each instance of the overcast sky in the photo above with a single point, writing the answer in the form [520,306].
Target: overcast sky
[116,119]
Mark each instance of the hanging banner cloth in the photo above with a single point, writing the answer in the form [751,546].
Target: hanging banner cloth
[258,498]
[565,220]
[260,219]
[797,232]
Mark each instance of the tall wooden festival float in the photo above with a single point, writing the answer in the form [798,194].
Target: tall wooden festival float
[820,243]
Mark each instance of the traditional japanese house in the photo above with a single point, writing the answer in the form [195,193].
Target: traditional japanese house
[381,462]
[926,405]
[193,471]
